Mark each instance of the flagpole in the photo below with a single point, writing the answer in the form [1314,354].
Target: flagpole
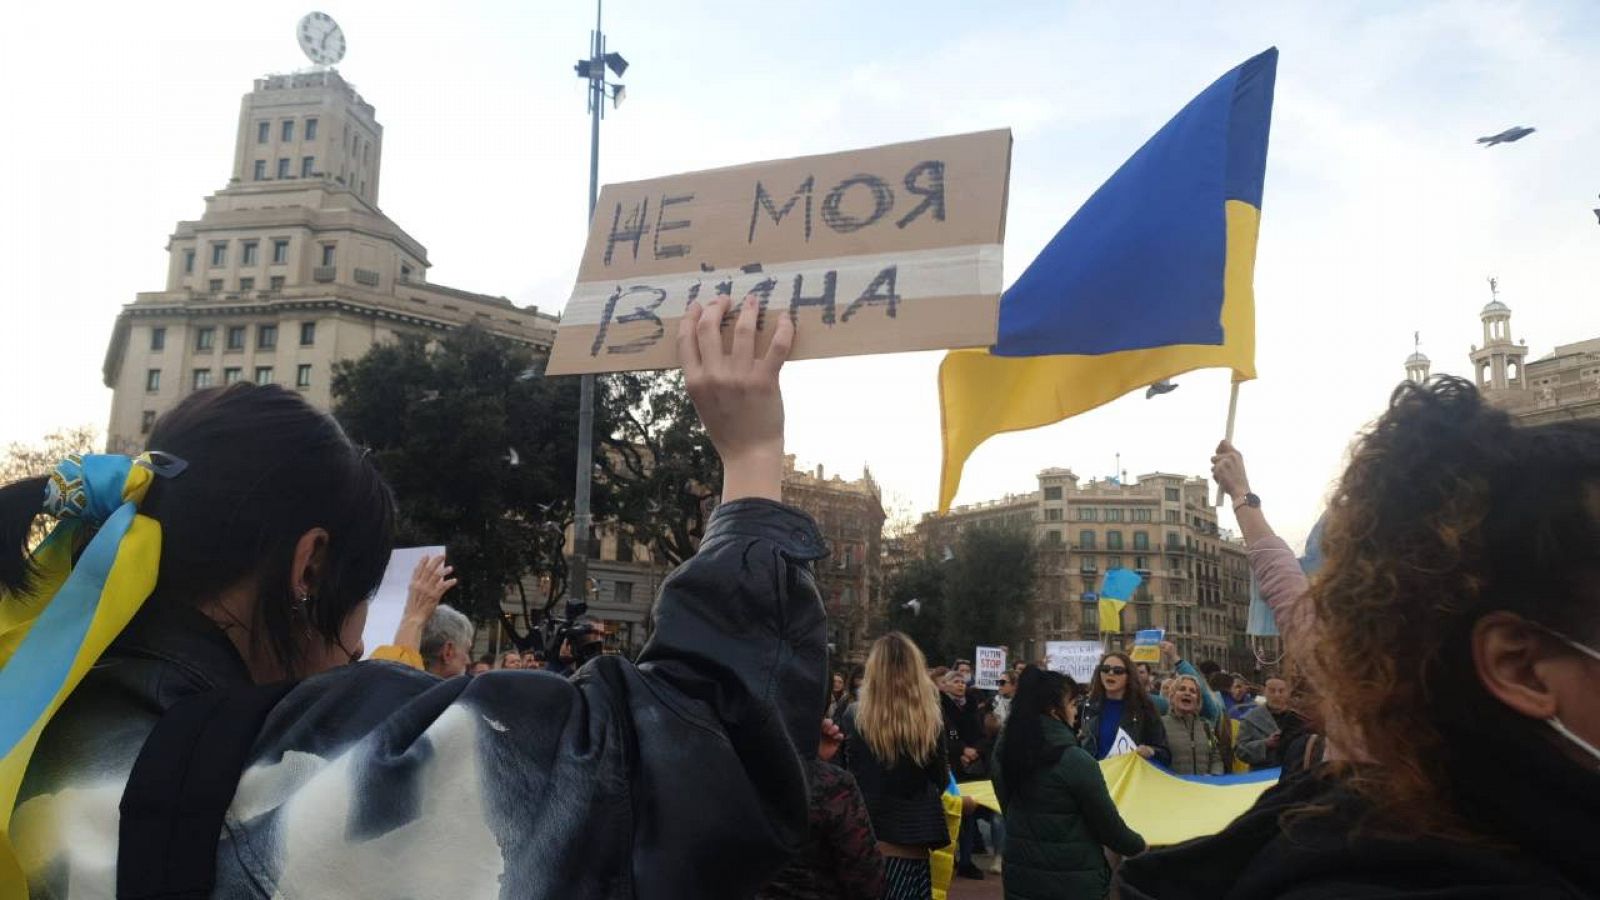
[1233,411]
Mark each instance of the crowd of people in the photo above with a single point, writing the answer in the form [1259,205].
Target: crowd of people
[1435,717]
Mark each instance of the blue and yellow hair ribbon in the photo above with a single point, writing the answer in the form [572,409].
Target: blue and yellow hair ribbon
[57,629]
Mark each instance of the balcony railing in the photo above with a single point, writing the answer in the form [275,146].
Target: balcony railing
[324,273]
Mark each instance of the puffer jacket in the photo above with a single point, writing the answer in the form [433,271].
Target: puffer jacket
[1193,745]
[1057,824]
[678,776]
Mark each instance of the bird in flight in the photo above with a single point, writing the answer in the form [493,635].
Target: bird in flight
[1507,136]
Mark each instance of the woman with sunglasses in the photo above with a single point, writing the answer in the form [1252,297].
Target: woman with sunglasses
[1118,703]
[201,608]
[1453,636]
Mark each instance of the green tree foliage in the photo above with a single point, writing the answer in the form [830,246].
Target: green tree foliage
[978,595]
[481,451]
[662,470]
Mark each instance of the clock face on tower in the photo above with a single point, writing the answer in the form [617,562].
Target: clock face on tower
[321,38]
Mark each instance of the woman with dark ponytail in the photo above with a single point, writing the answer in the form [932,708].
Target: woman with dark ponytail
[1060,819]
[179,715]
[1452,635]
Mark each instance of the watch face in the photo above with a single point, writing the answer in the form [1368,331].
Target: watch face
[321,38]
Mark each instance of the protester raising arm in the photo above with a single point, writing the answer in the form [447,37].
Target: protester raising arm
[430,581]
[680,776]
[1276,569]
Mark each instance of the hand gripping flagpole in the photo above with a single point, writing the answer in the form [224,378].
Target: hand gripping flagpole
[1233,411]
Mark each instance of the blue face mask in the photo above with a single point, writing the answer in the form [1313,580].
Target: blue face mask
[1555,721]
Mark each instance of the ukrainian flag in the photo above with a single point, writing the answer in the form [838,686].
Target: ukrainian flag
[1151,278]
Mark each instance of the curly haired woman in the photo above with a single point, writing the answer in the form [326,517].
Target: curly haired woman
[1452,633]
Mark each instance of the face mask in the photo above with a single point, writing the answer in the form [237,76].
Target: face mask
[1555,721]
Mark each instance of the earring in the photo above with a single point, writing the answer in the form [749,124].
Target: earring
[299,604]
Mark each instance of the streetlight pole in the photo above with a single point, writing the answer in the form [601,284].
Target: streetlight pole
[594,69]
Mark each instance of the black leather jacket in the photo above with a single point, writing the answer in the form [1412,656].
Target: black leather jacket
[1143,727]
[678,776]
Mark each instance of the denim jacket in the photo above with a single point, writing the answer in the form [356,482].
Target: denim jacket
[678,776]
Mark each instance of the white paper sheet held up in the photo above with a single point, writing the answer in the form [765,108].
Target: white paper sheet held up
[389,603]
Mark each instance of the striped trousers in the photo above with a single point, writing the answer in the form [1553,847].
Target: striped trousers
[908,879]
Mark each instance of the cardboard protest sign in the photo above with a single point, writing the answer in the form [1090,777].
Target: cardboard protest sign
[870,251]
[1147,645]
[388,604]
[1075,658]
[989,665]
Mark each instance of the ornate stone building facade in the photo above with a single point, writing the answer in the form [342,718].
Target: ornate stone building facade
[850,515]
[292,267]
[1196,582]
[1563,384]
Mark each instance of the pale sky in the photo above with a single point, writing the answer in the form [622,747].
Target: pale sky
[1381,216]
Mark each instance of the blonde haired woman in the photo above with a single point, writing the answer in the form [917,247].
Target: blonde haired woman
[895,747]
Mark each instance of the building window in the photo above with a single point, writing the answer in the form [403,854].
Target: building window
[329,254]
[261,170]
[247,284]
[219,254]
[249,254]
[275,282]
[307,164]
[205,338]
[1113,540]
[1141,540]
[283,167]
[1141,515]
[214,285]
[1172,495]
[302,376]
[308,333]
[1053,537]
[147,421]
[405,275]
[158,338]
[280,251]
[1113,562]
[263,374]
[1052,515]
[1141,563]
[1086,540]
[1052,493]
[311,129]
[288,129]
[1173,543]
[152,380]
[266,337]
[235,337]
[202,379]
[1172,517]
[1088,514]
[622,591]
[1089,564]
[188,262]
[263,132]
[232,374]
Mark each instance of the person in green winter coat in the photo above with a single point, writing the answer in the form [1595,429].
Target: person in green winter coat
[1060,818]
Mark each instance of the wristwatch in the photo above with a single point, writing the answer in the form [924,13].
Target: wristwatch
[1249,500]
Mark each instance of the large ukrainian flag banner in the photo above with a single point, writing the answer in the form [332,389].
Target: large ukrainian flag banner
[1151,278]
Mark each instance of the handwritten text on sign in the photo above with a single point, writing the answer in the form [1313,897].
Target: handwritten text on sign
[894,248]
